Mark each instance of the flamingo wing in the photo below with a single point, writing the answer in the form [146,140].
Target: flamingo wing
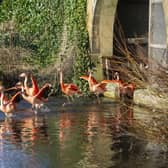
[72,87]
[5,99]
[84,77]
[93,80]
[113,81]
[130,86]
[102,86]
[41,91]
[13,99]
[34,85]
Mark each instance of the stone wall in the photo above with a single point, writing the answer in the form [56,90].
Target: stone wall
[100,24]
[106,27]
[165,6]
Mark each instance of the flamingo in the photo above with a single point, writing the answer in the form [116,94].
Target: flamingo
[116,80]
[69,89]
[8,107]
[31,91]
[126,89]
[5,99]
[34,100]
[94,86]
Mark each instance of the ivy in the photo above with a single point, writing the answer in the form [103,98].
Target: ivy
[38,26]
[77,34]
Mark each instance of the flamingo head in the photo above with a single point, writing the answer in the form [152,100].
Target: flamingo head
[19,85]
[23,75]
[48,85]
[116,76]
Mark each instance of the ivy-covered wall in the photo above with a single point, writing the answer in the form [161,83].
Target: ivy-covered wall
[42,31]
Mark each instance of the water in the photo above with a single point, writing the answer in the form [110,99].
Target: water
[84,135]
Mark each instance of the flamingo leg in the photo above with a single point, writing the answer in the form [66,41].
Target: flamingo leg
[98,98]
[72,98]
[68,99]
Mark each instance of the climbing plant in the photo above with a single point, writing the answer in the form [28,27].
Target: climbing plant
[39,24]
[45,27]
[77,33]
[38,27]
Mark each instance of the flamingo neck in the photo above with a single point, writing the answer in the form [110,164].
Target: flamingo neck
[89,80]
[22,89]
[2,97]
[25,81]
[61,81]
[34,84]
[62,86]
[61,77]
[23,93]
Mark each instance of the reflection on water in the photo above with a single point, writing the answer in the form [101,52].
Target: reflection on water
[81,136]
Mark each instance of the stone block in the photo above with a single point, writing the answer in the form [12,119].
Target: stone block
[112,91]
[145,97]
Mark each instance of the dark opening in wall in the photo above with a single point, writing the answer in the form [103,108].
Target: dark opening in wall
[132,17]
[131,27]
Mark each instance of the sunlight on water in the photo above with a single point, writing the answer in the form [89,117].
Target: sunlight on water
[82,135]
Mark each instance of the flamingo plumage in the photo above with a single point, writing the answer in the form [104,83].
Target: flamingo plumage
[126,89]
[69,89]
[34,89]
[94,86]
[31,91]
[8,107]
[3,97]
[34,100]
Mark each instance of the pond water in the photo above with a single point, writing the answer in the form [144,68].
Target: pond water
[82,135]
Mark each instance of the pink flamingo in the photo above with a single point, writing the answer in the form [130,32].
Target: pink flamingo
[34,100]
[8,107]
[94,86]
[69,89]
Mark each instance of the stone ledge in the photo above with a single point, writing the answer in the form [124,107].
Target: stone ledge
[142,97]
[145,97]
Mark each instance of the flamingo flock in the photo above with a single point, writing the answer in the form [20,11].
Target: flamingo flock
[34,95]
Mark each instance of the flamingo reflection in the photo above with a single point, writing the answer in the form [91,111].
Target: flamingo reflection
[24,132]
[64,123]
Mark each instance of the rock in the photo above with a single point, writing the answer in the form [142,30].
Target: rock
[145,97]
[112,91]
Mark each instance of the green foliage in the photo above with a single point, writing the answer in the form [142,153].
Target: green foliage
[77,34]
[38,25]
[6,10]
